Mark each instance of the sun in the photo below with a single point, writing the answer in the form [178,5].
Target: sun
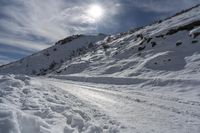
[95,11]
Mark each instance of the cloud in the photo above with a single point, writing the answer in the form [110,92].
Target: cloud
[33,17]
[48,19]
[162,6]
[45,21]
[24,44]
[5,60]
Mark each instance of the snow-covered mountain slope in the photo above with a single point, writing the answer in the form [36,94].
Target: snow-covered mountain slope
[50,59]
[167,49]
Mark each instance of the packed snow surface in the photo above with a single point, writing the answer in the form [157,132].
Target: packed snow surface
[143,81]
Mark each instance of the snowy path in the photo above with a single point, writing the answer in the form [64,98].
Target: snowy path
[138,112]
[43,105]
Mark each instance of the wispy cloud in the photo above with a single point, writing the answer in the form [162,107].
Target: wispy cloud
[5,60]
[49,20]
[33,18]
[163,6]
[24,44]
[30,24]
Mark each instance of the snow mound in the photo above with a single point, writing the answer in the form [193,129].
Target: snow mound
[15,121]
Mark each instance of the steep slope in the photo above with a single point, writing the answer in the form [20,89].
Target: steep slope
[50,59]
[169,48]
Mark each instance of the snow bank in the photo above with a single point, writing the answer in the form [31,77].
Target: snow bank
[15,121]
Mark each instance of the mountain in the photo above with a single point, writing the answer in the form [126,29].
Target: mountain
[52,58]
[143,80]
[164,48]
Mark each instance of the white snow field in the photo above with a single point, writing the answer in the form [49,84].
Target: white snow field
[143,81]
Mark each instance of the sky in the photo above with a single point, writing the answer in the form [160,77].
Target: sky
[28,26]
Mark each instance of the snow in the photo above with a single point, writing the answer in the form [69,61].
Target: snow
[43,105]
[195,31]
[145,81]
[49,59]
[29,105]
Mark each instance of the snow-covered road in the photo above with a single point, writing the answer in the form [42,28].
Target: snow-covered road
[137,111]
[48,105]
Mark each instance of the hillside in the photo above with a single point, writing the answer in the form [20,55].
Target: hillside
[52,58]
[167,49]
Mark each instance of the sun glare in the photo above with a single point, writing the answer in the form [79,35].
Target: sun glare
[95,12]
